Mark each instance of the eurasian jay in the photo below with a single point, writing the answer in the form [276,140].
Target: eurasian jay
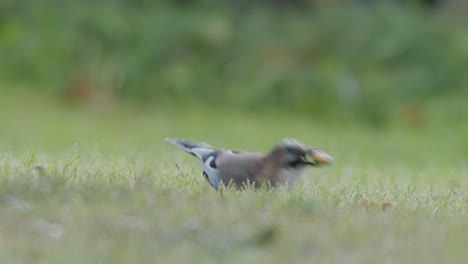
[283,165]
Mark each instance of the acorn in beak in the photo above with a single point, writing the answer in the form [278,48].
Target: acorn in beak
[319,157]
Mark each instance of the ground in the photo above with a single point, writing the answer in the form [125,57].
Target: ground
[109,190]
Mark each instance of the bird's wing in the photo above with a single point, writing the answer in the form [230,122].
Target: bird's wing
[206,156]
[188,145]
[238,167]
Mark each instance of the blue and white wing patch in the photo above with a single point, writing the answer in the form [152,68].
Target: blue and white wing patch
[207,158]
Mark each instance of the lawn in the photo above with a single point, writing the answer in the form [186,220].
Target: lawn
[110,190]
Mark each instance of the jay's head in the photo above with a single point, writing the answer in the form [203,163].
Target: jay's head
[296,153]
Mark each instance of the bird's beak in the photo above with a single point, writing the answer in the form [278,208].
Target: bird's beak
[320,157]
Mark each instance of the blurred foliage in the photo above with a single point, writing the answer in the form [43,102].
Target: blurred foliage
[314,57]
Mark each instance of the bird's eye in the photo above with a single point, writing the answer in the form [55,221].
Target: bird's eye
[290,149]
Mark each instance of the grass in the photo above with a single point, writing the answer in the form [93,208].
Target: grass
[110,191]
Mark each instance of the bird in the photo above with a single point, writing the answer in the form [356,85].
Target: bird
[283,165]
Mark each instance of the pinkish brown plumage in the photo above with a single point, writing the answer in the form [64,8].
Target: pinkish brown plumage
[282,166]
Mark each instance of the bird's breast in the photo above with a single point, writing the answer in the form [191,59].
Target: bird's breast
[289,176]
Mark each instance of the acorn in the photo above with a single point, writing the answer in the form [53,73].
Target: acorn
[320,157]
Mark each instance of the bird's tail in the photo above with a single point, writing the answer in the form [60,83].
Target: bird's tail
[189,146]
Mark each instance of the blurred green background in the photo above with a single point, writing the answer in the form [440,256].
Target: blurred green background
[89,90]
[375,62]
